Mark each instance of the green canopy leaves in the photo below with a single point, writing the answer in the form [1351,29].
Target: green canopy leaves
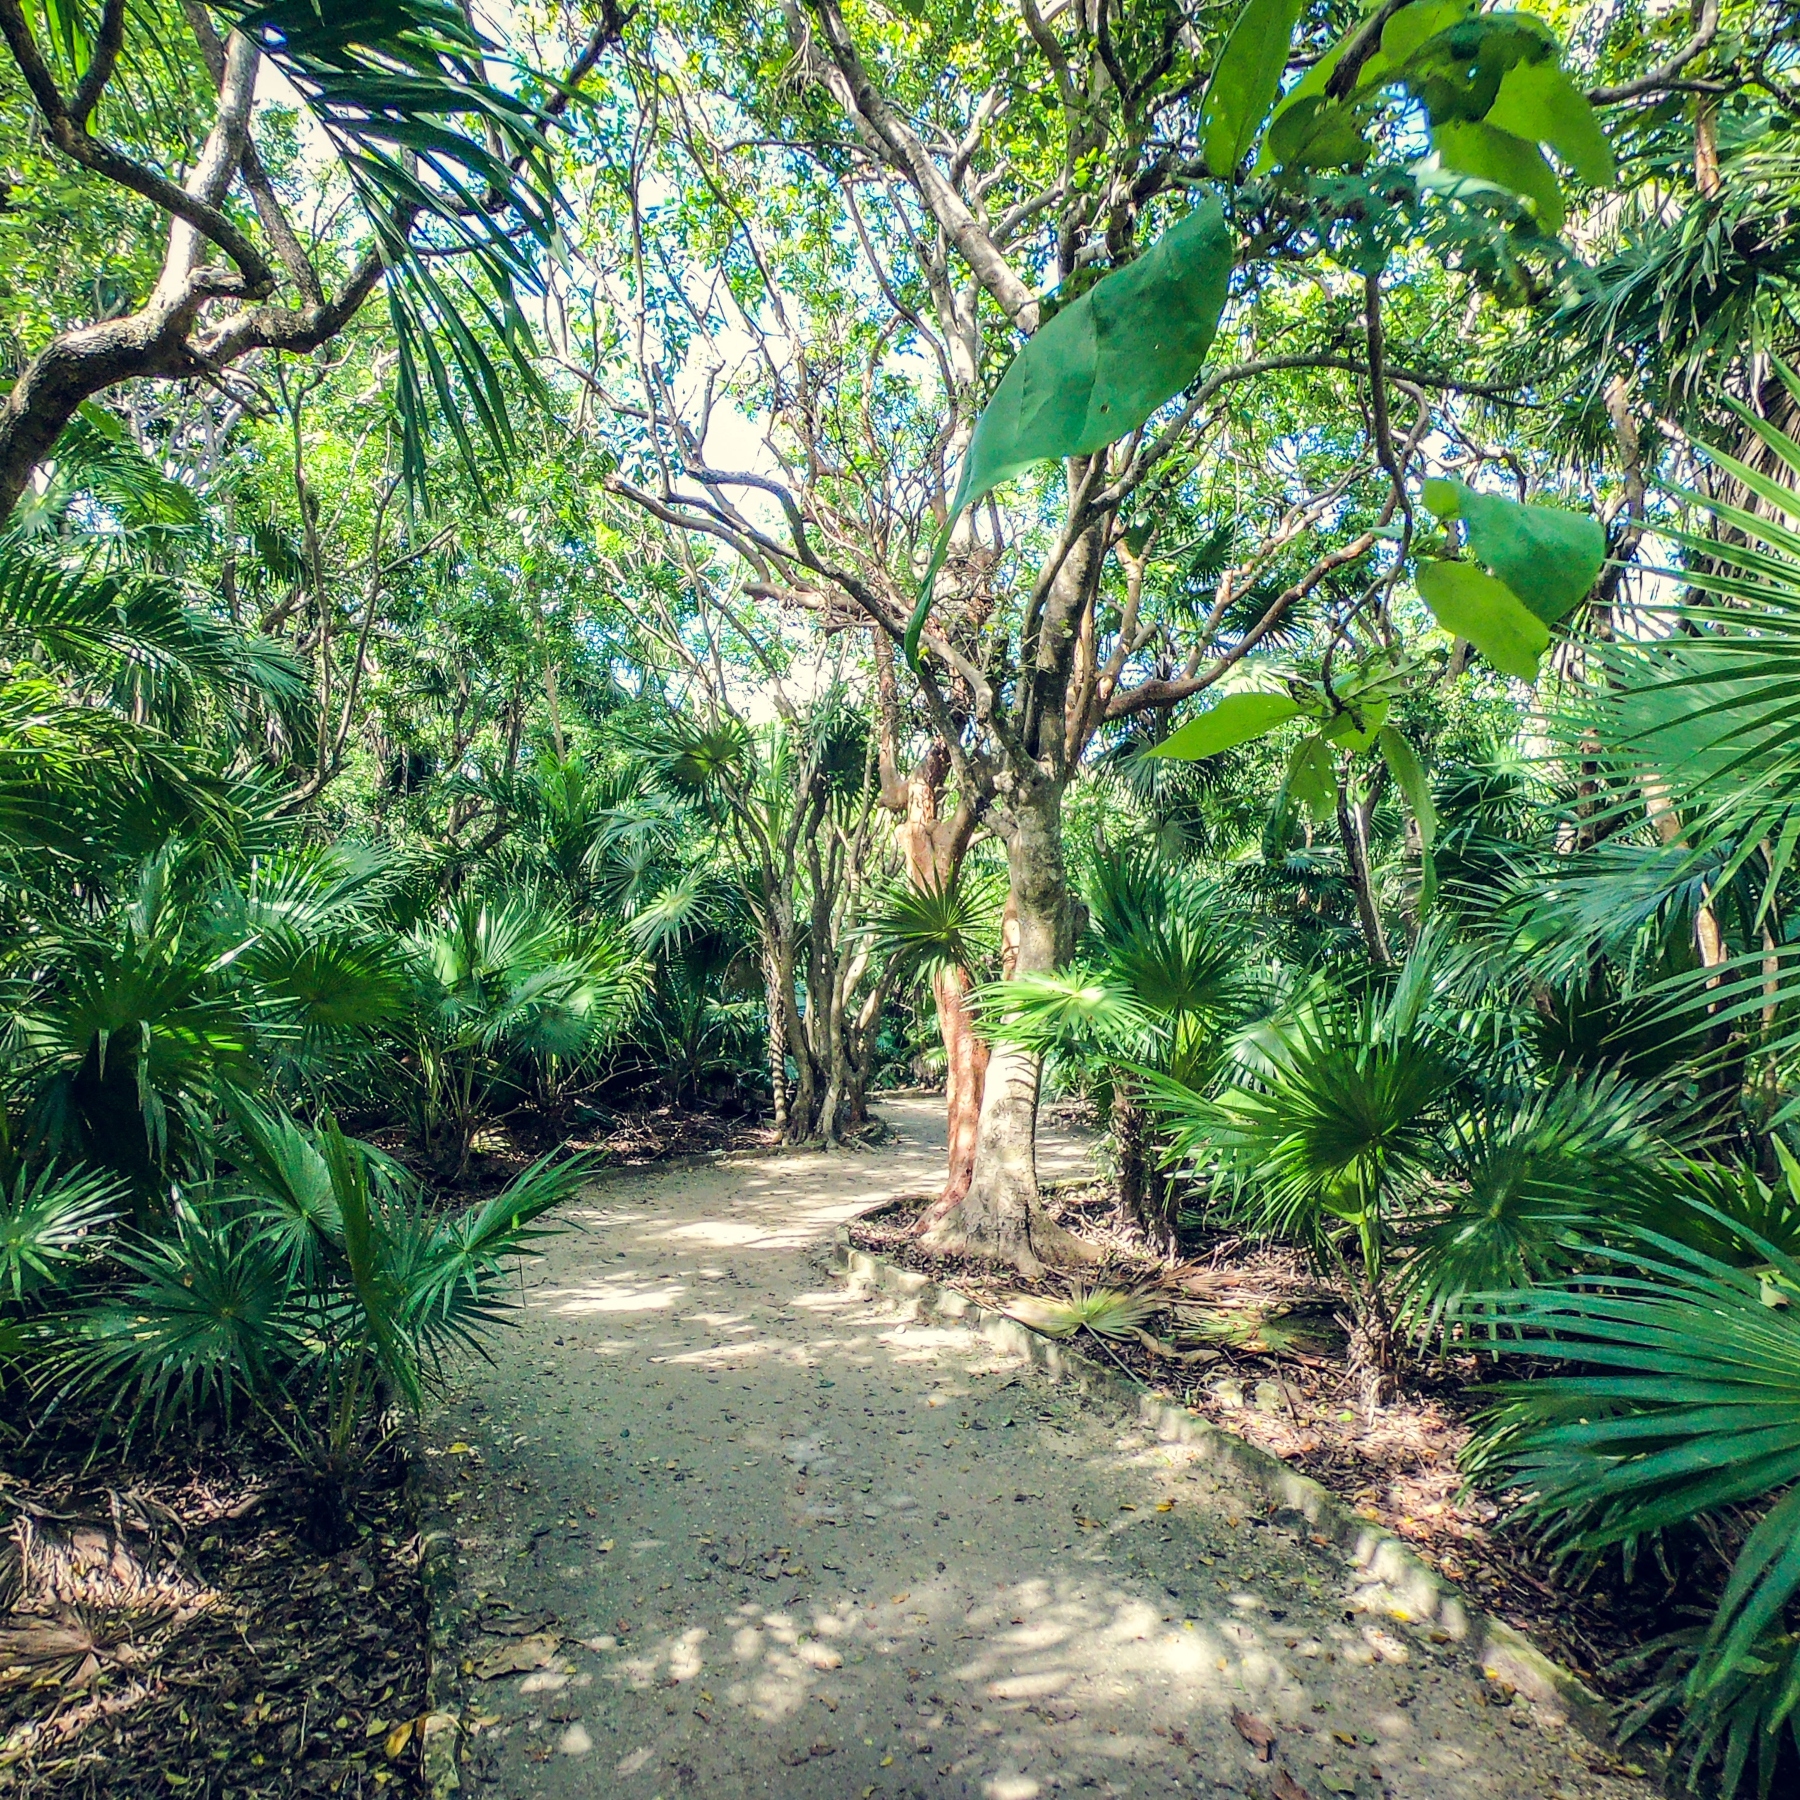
[1542,561]
[1245,82]
[1097,369]
[1494,94]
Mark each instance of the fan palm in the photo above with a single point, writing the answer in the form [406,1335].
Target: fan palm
[501,982]
[1676,1398]
[308,1282]
[1699,724]
[1158,973]
[1327,1136]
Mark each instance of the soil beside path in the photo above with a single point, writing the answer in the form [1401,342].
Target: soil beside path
[739,1531]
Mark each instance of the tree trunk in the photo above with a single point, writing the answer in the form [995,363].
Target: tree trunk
[1002,1215]
[777,1044]
[965,1078]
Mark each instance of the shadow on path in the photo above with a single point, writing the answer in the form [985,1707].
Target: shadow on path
[767,1536]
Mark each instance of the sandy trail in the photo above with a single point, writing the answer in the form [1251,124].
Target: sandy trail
[792,1543]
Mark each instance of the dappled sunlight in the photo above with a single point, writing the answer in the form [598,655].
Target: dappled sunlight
[620,1297]
[855,1550]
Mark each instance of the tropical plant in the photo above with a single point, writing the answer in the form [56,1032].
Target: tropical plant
[1158,978]
[1326,1138]
[1675,1401]
[307,1285]
[507,988]
[1107,1312]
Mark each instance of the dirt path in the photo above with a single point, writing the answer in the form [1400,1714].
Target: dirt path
[789,1543]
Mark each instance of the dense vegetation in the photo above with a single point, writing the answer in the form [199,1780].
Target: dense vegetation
[1241,561]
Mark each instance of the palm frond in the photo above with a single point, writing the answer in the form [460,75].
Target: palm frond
[52,1223]
[1106,1312]
[1688,1402]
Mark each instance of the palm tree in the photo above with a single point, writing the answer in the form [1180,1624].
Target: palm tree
[947,933]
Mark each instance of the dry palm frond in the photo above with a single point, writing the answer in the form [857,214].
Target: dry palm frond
[1107,1312]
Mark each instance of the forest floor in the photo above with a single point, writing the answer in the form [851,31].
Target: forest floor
[1278,1375]
[730,1528]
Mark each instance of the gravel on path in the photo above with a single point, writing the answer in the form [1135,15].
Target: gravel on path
[734,1530]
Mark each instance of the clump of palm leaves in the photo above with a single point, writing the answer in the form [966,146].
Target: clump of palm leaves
[1675,1400]
[305,1284]
[1158,975]
[1322,1137]
[508,988]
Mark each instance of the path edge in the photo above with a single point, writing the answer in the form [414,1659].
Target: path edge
[446,1622]
[1394,1578]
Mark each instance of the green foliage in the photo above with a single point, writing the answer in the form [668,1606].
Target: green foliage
[1096,369]
[1245,82]
[1686,1404]
[1492,91]
[952,924]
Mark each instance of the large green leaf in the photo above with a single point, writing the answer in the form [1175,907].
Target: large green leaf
[1409,773]
[1539,102]
[1457,73]
[1548,555]
[1409,776]
[1235,720]
[1245,82]
[1474,147]
[1098,369]
[1311,779]
[1488,613]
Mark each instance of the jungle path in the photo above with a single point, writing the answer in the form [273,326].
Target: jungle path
[769,1536]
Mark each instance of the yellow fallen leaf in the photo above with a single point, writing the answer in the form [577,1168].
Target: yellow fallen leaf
[399,1738]
[459,1448]
[887,1762]
[1165,1506]
[605,1545]
[901,1599]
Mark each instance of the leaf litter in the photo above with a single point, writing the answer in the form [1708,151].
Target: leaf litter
[167,1628]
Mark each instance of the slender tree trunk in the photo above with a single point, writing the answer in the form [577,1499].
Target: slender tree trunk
[934,849]
[1353,836]
[777,1043]
[1002,1215]
[965,1078]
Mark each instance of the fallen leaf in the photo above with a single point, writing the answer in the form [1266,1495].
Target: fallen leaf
[459,1448]
[605,1545]
[1165,1506]
[534,1652]
[1256,1732]
[400,1737]
[1285,1787]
